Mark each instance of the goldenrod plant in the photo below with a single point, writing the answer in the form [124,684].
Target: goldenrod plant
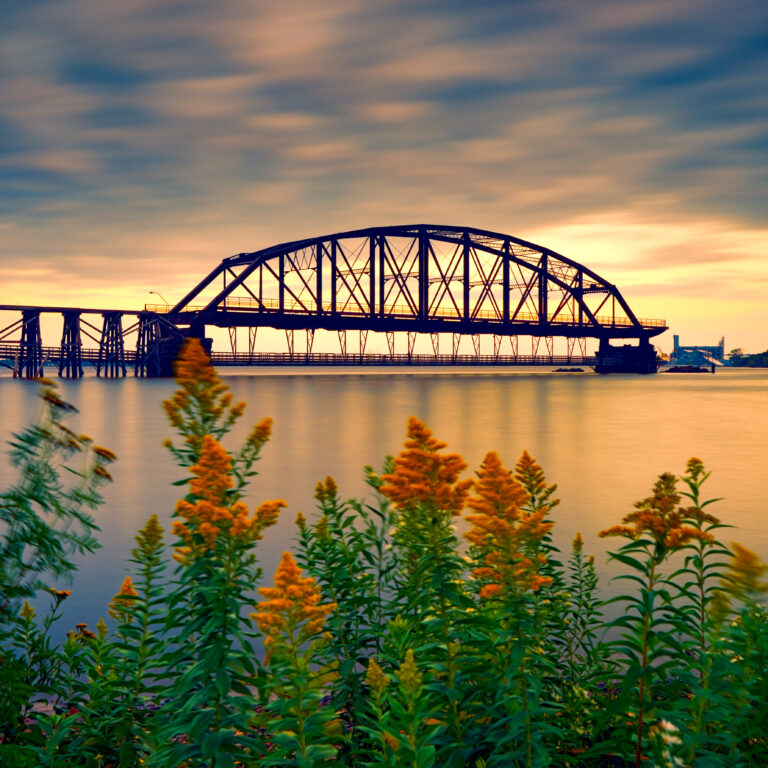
[434,623]
[292,617]
[204,715]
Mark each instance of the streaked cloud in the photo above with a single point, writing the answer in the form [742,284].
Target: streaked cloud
[142,142]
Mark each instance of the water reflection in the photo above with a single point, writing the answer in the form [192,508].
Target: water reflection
[602,439]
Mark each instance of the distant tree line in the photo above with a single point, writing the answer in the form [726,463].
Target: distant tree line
[759,360]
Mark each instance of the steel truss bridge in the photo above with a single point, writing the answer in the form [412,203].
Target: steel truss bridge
[406,280]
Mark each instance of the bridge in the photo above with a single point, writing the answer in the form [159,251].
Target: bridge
[409,280]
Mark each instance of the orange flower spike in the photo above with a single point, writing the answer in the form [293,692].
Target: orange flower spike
[291,612]
[181,530]
[119,605]
[202,403]
[497,490]
[261,432]
[531,476]
[533,527]
[127,588]
[424,475]
[267,515]
[194,365]
[489,590]
[660,517]
[503,530]
[212,472]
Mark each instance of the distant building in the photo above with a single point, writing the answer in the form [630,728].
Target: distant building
[698,355]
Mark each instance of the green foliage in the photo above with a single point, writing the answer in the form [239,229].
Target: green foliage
[758,360]
[399,644]
[44,520]
[348,552]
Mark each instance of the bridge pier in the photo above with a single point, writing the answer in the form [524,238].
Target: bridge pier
[71,355]
[626,359]
[29,364]
[158,346]
[111,347]
[147,347]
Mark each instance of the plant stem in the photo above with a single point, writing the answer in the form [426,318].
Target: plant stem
[641,693]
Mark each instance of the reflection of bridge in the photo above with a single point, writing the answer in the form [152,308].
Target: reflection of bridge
[414,280]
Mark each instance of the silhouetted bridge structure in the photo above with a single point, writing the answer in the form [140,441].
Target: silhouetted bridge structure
[410,280]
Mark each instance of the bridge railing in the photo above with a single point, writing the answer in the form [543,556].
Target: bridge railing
[8,352]
[384,359]
[272,306]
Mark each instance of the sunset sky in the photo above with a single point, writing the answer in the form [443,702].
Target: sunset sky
[142,141]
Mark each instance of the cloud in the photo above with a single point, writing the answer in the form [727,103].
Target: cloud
[156,137]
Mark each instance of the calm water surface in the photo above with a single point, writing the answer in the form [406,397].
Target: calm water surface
[602,439]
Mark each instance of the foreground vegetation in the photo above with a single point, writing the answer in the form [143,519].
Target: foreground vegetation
[385,640]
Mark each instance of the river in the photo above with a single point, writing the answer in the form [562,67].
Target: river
[602,439]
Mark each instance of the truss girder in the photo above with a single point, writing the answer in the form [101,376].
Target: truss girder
[415,278]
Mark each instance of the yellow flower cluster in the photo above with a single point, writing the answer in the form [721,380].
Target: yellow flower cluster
[211,513]
[375,678]
[292,610]
[423,475]
[660,517]
[409,676]
[326,492]
[149,537]
[119,607]
[505,534]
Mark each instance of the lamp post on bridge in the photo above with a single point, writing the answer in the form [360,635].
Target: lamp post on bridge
[162,298]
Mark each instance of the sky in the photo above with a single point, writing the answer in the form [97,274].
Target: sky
[141,142]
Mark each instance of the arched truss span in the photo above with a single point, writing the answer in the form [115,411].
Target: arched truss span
[419,278]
